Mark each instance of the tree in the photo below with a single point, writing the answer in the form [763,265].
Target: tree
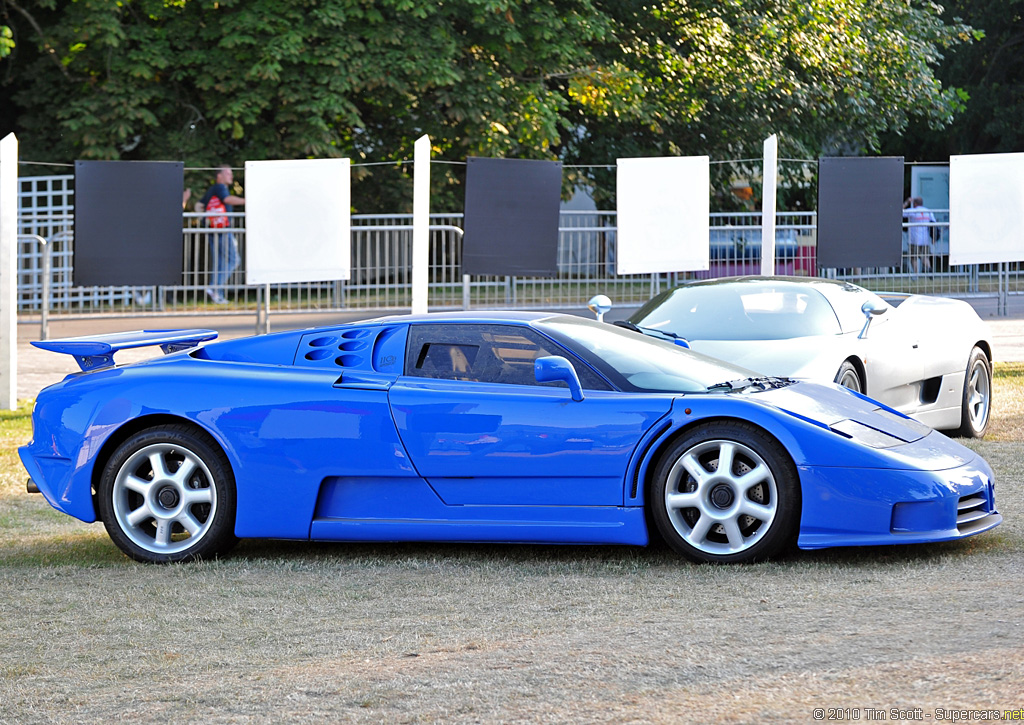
[990,72]
[829,77]
[584,81]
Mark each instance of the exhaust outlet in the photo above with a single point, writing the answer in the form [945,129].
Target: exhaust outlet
[31,486]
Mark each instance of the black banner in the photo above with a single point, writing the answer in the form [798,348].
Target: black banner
[128,223]
[860,212]
[511,221]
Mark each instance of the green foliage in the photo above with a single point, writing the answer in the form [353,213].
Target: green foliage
[6,41]
[989,71]
[584,81]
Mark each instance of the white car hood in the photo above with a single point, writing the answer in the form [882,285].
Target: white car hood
[807,358]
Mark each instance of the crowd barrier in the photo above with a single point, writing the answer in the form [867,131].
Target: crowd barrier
[381,272]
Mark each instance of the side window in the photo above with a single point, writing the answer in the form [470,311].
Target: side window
[486,354]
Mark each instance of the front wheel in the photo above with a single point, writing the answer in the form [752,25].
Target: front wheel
[977,398]
[848,377]
[167,494]
[726,492]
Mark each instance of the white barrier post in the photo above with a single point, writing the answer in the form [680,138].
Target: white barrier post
[9,272]
[769,182]
[420,225]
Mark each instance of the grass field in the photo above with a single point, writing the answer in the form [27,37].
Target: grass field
[298,632]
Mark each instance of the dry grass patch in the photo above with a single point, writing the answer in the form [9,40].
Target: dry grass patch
[1007,403]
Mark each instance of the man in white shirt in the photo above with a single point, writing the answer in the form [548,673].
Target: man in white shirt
[920,222]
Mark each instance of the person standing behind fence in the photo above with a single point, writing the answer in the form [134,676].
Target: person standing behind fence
[919,231]
[217,203]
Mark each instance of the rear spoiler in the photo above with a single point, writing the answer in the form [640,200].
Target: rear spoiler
[94,352]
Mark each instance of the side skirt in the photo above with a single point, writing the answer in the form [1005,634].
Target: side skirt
[518,524]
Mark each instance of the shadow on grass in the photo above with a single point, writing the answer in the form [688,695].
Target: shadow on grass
[630,558]
[83,549]
[94,549]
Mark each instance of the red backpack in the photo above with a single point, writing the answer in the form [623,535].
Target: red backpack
[219,220]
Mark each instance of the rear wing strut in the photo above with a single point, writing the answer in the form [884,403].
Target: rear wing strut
[94,352]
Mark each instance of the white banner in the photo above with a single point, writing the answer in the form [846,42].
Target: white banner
[663,209]
[986,208]
[298,222]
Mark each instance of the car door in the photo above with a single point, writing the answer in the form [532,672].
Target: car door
[482,431]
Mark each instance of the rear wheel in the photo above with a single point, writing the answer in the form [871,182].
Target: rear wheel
[977,397]
[848,377]
[168,494]
[726,492]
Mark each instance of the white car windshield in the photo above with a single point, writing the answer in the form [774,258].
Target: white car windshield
[740,311]
[639,362]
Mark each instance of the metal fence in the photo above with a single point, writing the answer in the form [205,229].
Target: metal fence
[381,276]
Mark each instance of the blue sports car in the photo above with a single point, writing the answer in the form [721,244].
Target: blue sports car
[504,427]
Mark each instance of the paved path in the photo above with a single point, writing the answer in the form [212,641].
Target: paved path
[38,368]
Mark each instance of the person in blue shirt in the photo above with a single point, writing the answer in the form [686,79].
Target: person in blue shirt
[223,248]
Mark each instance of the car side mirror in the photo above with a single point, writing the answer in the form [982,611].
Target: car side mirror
[599,304]
[871,310]
[555,367]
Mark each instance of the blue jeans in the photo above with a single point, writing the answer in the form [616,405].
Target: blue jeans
[223,259]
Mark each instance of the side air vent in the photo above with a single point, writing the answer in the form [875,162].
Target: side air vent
[347,349]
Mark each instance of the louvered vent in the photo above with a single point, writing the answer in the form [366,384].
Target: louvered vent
[973,511]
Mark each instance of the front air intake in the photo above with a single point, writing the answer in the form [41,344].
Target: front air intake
[973,512]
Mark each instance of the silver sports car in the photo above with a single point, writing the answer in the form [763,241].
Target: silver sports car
[927,357]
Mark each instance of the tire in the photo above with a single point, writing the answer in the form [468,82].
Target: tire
[167,494]
[747,513]
[977,398]
[848,377]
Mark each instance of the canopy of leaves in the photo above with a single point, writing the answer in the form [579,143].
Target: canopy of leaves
[583,81]
[990,74]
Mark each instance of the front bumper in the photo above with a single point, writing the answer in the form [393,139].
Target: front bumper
[869,507]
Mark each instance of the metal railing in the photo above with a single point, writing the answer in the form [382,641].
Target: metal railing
[381,276]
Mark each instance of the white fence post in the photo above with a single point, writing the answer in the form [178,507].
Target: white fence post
[421,225]
[769,181]
[9,272]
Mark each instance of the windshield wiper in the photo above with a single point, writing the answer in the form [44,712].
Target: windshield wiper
[680,340]
[628,325]
[764,382]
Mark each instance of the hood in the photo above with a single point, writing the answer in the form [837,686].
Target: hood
[799,357]
[847,413]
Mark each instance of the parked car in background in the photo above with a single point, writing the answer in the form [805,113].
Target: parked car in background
[500,427]
[927,357]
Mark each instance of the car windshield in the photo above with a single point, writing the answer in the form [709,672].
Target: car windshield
[740,311]
[637,362]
